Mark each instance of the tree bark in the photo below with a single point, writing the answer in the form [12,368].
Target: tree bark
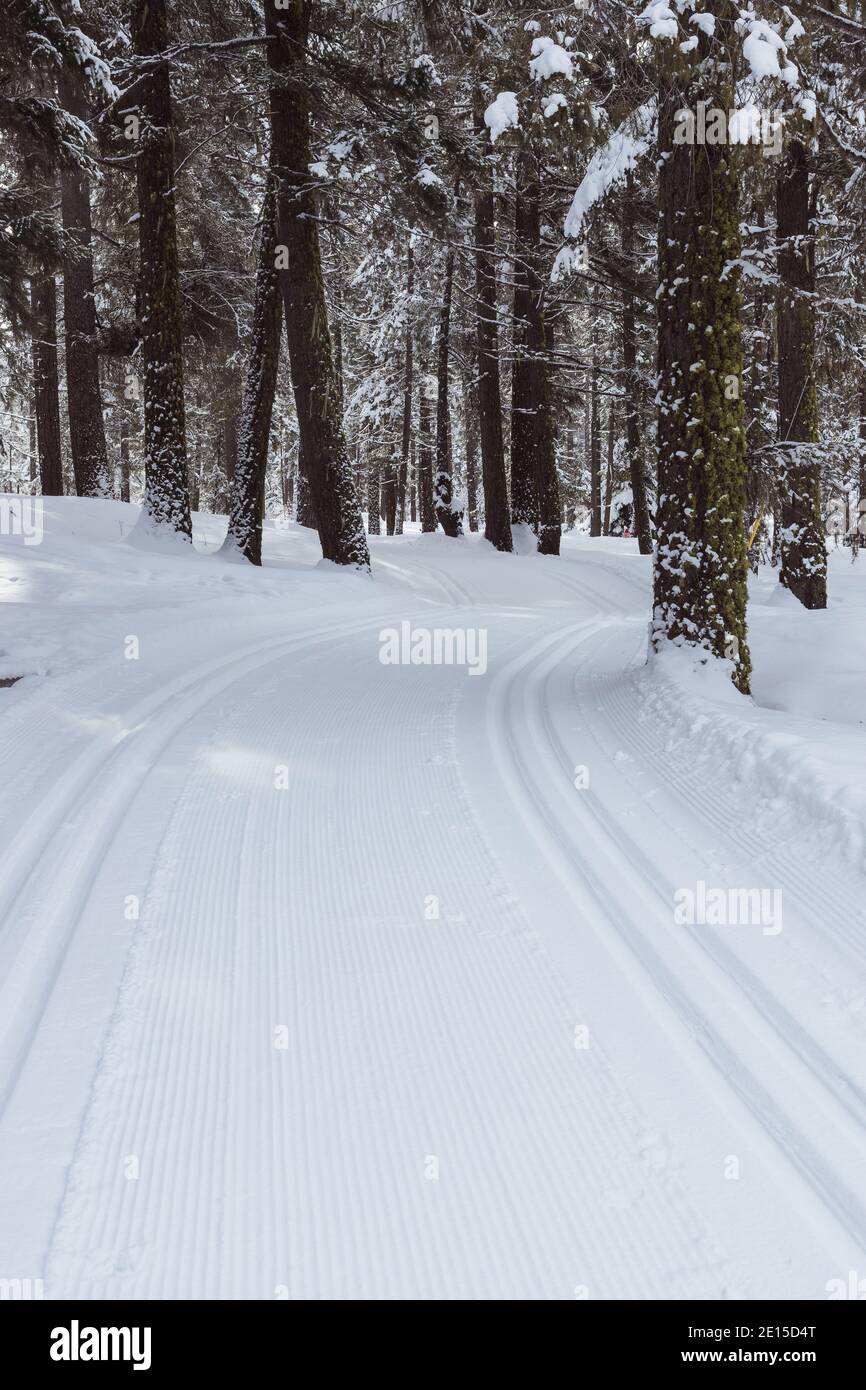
[595,432]
[470,409]
[608,476]
[374,526]
[166,493]
[84,396]
[803,547]
[701,564]
[46,389]
[248,490]
[449,517]
[326,457]
[408,371]
[497,522]
[425,457]
[640,508]
[545,479]
[524,503]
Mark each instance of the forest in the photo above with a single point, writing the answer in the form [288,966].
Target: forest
[446,263]
[350,349]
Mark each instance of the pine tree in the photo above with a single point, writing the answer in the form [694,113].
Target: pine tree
[699,586]
[248,491]
[326,456]
[803,548]
[165,508]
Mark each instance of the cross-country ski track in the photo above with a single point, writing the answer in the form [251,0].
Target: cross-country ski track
[405,1011]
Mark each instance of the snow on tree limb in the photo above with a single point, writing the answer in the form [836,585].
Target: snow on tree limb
[610,164]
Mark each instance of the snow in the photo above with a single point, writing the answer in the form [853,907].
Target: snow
[501,115]
[549,59]
[610,164]
[322,976]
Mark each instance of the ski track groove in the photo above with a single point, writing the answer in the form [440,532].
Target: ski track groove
[405,1037]
[802,1154]
[330,1197]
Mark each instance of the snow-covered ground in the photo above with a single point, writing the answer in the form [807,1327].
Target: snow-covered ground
[322,976]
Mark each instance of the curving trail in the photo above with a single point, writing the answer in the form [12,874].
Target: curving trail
[398,1010]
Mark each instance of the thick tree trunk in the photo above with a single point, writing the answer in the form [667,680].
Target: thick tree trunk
[408,370]
[46,390]
[640,509]
[166,494]
[248,491]
[497,522]
[86,427]
[305,512]
[701,567]
[326,457]
[803,548]
[450,518]
[425,457]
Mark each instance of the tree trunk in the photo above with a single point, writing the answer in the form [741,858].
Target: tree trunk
[701,566]
[449,517]
[408,369]
[497,522]
[413,483]
[166,494]
[326,457]
[389,494]
[608,477]
[640,509]
[470,408]
[425,457]
[545,479]
[46,390]
[803,547]
[374,526]
[248,491]
[84,397]
[124,452]
[595,432]
[305,512]
[524,504]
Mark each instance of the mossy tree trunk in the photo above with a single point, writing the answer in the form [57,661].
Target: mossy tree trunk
[699,592]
